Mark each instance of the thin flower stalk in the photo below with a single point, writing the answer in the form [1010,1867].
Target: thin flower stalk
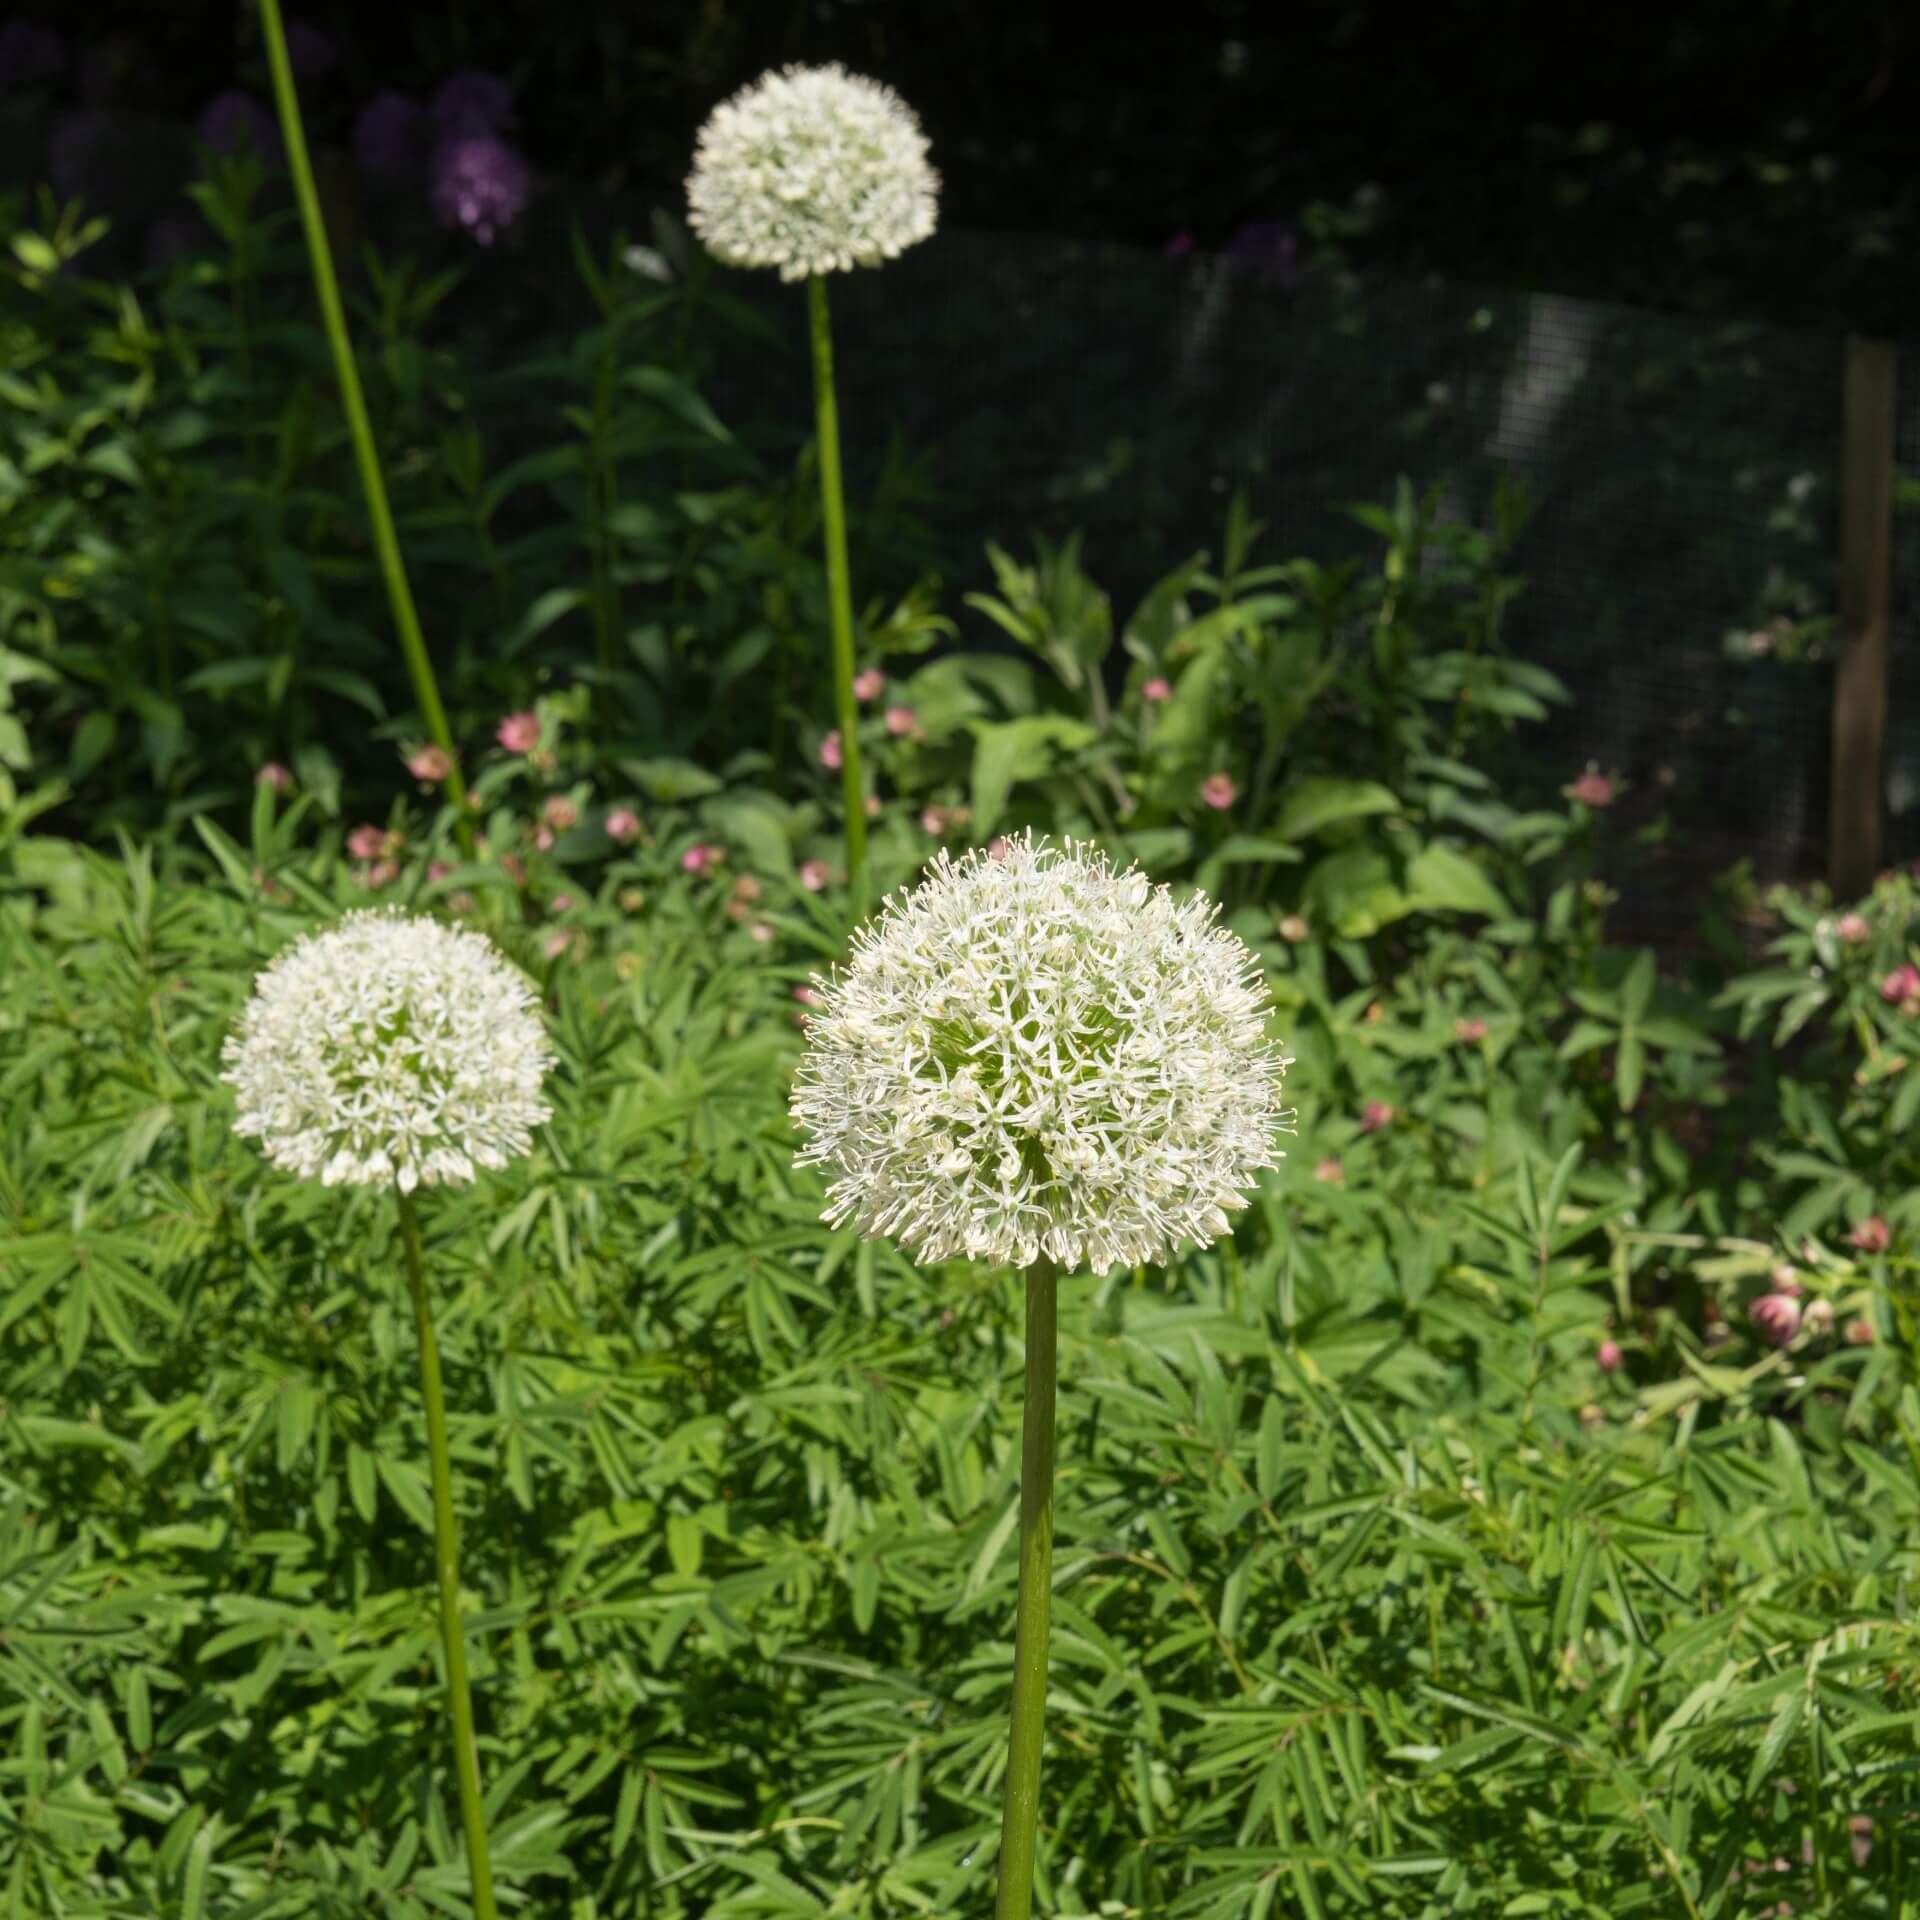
[334,320]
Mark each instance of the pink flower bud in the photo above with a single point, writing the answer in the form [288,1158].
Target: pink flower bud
[543,837]
[1872,1235]
[869,685]
[514,868]
[1294,929]
[1853,928]
[997,847]
[934,821]
[1786,1280]
[760,931]
[1218,791]
[1468,1032]
[901,720]
[873,806]
[1592,790]
[560,813]
[556,943]
[623,825]
[519,732]
[806,996]
[429,764]
[274,775]
[696,859]
[1818,1317]
[830,749]
[383,873]
[1776,1316]
[561,902]
[1901,985]
[1377,1114]
[746,888]
[1331,1173]
[1860,1333]
[367,842]
[814,875]
[438,869]
[1156,690]
[1608,1356]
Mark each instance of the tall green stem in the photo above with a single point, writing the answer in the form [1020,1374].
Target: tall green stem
[399,595]
[446,1543]
[1020,1817]
[839,593]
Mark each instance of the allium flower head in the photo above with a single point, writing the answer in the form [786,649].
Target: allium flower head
[389,1049]
[479,183]
[811,170]
[1034,1054]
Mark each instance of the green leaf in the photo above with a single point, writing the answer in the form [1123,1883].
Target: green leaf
[1312,805]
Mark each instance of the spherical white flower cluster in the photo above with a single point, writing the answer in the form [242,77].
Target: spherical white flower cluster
[389,1049]
[811,170]
[1034,1054]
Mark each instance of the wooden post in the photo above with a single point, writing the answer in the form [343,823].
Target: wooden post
[1860,673]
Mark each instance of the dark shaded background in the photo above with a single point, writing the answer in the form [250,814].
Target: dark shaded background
[1752,159]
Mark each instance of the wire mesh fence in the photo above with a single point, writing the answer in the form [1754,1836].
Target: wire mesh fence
[1680,558]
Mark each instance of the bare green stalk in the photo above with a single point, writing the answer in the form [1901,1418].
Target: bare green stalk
[1026,1734]
[333,317]
[839,593]
[446,1543]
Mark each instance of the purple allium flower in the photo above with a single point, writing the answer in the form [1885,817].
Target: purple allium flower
[309,51]
[1267,244]
[30,54]
[478,183]
[472,102]
[71,149]
[390,138]
[233,121]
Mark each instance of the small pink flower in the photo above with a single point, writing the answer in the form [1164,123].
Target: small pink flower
[1853,928]
[1901,985]
[514,868]
[1377,1114]
[438,869]
[830,749]
[519,732]
[428,764]
[543,837]
[560,813]
[1860,1837]
[997,847]
[1156,690]
[934,821]
[806,996]
[869,685]
[1872,1235]
[623,825]
[1468,1032]
[746,888]
[1294,929]
[1592,790]
[696,859]
[1859,1333]
[461,902]
[561,902]
[814,875]
[761,931]
[1608,1356]
[383,873]
[1218,790]
[902,720]
[274,775]
[367,843]
[1330,1173]
[1777,1316]
[1786,1280]
[556,943]
[873,806]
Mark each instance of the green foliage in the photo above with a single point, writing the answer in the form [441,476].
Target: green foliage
[1373,1593]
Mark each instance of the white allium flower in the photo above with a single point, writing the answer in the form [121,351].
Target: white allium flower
[1036,1054]
[811,170]
[389,1049]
